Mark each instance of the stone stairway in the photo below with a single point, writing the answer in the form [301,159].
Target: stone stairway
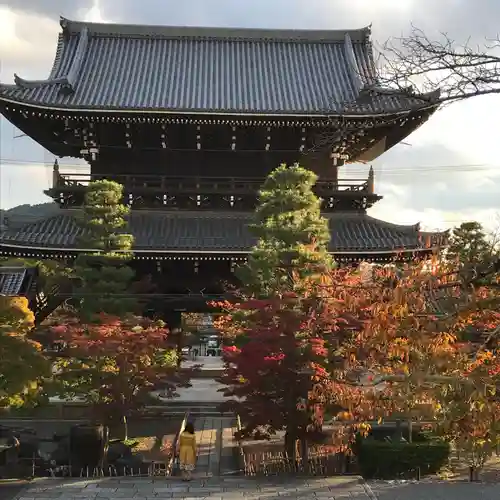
[214,436]
[179,408]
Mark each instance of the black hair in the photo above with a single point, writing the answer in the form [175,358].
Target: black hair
[189,428]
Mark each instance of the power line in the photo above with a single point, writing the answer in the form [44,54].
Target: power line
[459,167]
[414,167]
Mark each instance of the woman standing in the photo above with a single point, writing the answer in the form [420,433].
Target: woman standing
[187,451]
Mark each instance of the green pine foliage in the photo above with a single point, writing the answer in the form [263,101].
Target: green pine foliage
[468,244]
[293,237]
[104,274]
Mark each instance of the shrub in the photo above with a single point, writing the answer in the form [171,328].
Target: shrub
[380,433]
[390,460]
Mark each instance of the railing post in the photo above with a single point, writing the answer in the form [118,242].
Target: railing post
[56,176]
[371,181]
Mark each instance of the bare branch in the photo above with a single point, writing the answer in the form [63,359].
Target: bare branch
[458,71]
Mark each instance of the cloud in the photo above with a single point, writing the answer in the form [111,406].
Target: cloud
[461,18]
[449,170]
[25,50]
[432,219]
[21,184]
[52,8]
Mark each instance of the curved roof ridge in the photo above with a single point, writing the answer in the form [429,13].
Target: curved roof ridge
[58,57]
[70,79]
[435,233]
[52,79]
[152,31]
[373,88]
[405,228]
[31,84]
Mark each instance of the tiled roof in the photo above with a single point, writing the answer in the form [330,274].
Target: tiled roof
[15,281]
[224,232]
[113,67]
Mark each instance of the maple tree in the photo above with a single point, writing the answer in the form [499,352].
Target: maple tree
[114,365]
[427,348]
[24,367]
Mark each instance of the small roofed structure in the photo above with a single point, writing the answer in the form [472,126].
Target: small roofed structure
[18,281]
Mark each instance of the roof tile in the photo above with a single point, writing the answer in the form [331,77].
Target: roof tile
[208,231]
[203,69]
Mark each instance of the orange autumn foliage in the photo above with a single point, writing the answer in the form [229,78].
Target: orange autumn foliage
[411,341]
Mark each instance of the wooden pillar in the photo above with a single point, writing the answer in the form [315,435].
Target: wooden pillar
[336,163]
[173,320]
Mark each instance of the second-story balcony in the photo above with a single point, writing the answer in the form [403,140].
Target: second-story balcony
[155,191]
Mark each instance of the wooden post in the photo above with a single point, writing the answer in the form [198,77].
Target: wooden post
[335,170]
[371,181]
[55,174]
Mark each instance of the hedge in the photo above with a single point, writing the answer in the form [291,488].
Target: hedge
[391,460]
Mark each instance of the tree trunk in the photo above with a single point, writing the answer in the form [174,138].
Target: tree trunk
[125,427]
[179,348]
[291,444]
[410,430]
[474,473]
[399,431]
[304,452]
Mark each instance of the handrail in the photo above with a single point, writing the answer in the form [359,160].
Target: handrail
[242,462]
[163,182]
[86,176]
[171,462]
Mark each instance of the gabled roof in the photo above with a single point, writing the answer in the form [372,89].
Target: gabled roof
[208,70]
[217,232]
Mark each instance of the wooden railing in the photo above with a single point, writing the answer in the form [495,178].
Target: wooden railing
[194,185]
[318,464]
[171,464]
[239,451]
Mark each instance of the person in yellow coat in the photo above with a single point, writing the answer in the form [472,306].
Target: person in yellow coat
[187,451]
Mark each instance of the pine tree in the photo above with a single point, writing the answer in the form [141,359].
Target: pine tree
[293,237]
[104,274]
[280,323]
[468,244]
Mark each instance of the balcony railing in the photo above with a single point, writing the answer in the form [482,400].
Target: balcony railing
[194,185]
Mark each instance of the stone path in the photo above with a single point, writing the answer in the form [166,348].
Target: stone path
[210,489]
[433,490]
[336,488]
[10,489]
[214,436]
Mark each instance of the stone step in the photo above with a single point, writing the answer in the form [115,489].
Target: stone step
[192,408]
